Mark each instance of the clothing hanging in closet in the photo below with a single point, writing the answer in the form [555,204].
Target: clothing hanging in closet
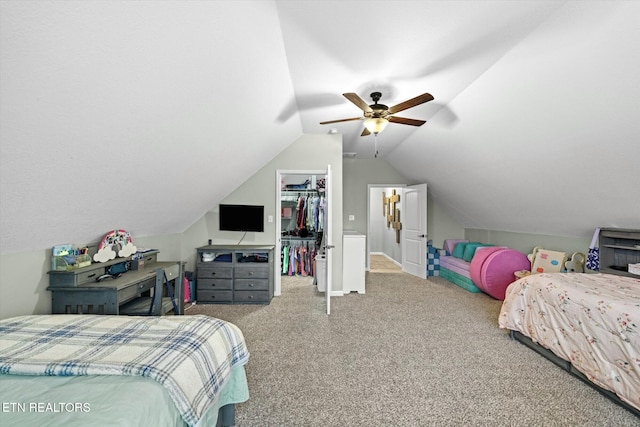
[297,258]
[309,213]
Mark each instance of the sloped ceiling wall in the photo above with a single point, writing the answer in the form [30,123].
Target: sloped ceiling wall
[135,115]
[534,125]
[550,140]
[145,114]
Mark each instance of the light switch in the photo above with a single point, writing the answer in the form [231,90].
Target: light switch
[270,218]
[352,217]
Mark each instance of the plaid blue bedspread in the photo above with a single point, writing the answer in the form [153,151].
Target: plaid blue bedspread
[191,356]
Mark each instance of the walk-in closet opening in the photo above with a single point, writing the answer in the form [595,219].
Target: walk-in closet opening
[302,223]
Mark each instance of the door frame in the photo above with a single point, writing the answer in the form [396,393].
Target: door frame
[277,280]
[369,208]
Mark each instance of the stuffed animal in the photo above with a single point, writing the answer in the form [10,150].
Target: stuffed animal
[576,263]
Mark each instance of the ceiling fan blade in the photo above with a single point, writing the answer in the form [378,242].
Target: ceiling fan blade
[420,99]
[341,120]
[359,102]
[365,132]
[405,121]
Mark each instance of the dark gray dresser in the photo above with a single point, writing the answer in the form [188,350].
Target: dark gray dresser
[619,247]
[235,274]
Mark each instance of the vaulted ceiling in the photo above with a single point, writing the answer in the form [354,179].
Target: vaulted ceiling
[149,113]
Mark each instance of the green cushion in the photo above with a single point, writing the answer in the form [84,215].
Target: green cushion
[470,250]
[458,251]
[460,280]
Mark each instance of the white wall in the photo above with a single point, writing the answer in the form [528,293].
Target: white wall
[23,283]
[525,242]
[358,175]
[440,224]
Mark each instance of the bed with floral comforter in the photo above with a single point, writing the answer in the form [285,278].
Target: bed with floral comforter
[592,321]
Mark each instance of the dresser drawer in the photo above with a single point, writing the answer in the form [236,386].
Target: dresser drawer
[251,296]
[214,296]
[131,292]
[217,272]
[214,284]
[251,284]
[249,272]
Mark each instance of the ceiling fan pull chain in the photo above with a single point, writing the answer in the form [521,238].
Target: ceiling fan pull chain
[375,144]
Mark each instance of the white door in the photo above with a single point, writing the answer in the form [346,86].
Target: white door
[413,235]
[328,238]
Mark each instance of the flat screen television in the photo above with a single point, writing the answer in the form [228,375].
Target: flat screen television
[241,218]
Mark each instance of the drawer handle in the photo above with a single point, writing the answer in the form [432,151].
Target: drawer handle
[251,273]
[213,273]
[250,296]
[251,285]
[91,275]
[213,285]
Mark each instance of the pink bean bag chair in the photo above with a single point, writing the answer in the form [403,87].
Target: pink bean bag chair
[492,269]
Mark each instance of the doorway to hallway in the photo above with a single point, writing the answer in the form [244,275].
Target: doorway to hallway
[383,264]
[381,237]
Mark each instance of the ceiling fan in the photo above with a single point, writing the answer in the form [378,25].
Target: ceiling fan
[377,116]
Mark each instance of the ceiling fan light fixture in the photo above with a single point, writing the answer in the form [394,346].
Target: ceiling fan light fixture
[375,125]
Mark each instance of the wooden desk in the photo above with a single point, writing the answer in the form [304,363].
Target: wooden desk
[77,292]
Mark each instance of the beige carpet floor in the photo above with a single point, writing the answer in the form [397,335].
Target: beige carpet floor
[409,352]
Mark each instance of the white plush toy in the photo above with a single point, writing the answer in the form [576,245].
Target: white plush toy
[576,263]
